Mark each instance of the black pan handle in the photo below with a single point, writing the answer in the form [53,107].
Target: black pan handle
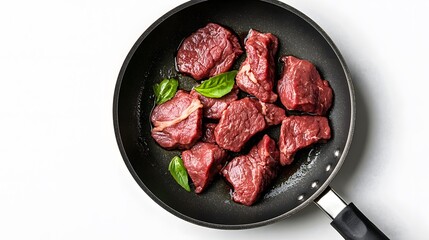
[348,220]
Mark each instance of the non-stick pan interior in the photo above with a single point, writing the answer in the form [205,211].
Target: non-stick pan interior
[152,59]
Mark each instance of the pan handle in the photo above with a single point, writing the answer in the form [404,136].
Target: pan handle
[348,220]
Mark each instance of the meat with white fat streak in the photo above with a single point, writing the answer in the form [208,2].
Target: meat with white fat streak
[177,122]
[161,125]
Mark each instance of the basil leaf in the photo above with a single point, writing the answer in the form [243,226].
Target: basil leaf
[217,86]
[179,173]
[165,90]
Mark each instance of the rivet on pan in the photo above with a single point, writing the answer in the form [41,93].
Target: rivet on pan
[337,153]
[328,168]
[315,184]
[301,197]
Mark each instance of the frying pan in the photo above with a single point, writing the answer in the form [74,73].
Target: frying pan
[152,58]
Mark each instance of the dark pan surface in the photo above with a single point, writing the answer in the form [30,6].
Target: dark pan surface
[152,59]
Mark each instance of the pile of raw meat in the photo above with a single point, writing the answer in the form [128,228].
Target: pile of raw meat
[212,130]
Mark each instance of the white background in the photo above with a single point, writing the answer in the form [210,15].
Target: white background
[61,173]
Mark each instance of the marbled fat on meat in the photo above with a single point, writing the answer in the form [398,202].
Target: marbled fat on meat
[272,113]
[257,72]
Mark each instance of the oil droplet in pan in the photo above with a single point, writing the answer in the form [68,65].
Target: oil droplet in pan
[312,157]
[315,184]
[328,168]
[304,168]
[294,179]
[337,153]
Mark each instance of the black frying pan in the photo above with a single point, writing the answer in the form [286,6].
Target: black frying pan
[152,58]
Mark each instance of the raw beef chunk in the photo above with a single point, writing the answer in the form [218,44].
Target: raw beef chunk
[251,174]
[209,51]
[239,122]
[213,107]
[301,87]
[203,161]
[272,113]
[208,134]
[298,132]
[257,72]
[177,123]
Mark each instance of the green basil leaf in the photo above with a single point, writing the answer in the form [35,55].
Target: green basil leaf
[165,90]
[179,173]
[217,86]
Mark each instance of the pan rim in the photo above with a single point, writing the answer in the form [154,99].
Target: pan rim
[182,216]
